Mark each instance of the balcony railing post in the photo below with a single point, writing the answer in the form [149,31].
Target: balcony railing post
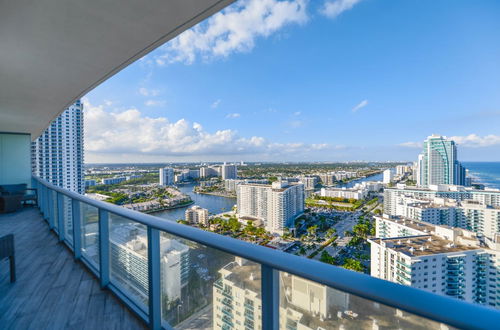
[154,278]
[50,208]
[270,298]
[77,228]
[45,203]
[60,215]
[104,247]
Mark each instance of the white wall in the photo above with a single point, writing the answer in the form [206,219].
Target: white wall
[15,158]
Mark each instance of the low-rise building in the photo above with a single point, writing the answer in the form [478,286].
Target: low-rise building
[197,215]
[115,180]
[90,183]
[347,193]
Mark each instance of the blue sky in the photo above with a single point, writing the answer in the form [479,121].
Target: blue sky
[322,80]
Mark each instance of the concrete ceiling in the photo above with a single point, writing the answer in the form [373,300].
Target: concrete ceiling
[54,51]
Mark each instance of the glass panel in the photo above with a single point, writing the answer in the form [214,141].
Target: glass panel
[128,242]
[204,288]
[67,219]
[305,304]
[54,209]
[90,233]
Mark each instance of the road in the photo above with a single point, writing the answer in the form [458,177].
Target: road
[346,224]
[199,320]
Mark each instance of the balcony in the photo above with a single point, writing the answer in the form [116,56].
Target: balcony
[52,290]
[86,228]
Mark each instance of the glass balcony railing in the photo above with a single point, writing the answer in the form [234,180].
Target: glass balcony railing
[172,275]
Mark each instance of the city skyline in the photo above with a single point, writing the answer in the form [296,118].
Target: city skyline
[307,81]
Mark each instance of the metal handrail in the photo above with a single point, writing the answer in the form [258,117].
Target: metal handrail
[438,308]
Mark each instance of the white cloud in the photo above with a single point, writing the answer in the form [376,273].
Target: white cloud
[233,115]
[468,141]
[361,105]
[297,113]
[216,104]
[129,132]
[476,141]
[334,8]
[235,29]
[295,123]
[411,144]
[154,103]
[148,92]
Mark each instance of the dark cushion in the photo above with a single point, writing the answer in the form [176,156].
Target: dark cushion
[10,203]
[13,189]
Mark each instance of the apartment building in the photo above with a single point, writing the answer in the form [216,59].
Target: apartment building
[276,205]
[129,261]
[309,182]
[440,259]
[228,171]
[305,305]
[388,176]
[209,171]
[166,176]
[397,195]
[438,163]
[197,215]
[57,155]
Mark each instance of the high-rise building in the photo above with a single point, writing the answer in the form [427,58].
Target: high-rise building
[206,172]
[472,214]
[229,171]
[166,176]
[305,304]
[327,179]
[438,163]
[197,214]
[309,182]
[440,259]
[403,169]
[388,174]
[276,205]
[57,155]
[401,194]
[129,261]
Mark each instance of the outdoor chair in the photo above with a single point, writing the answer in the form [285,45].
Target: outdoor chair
[10,203]
[7,251]
[22,190]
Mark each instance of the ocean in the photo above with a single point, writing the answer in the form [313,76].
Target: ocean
[487,173]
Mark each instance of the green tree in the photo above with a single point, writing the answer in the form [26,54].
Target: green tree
[311,231]
[353,265]
[331,232]
[327,258]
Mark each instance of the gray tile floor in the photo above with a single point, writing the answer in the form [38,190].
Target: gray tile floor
[52,290]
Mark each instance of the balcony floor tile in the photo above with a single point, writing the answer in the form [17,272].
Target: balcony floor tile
[53,291]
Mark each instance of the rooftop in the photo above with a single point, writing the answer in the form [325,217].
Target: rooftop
[422,245]
[414,224]
[52,289]
[246,276]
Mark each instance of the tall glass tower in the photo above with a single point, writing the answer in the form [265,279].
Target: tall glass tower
[57,155]
[438,163]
